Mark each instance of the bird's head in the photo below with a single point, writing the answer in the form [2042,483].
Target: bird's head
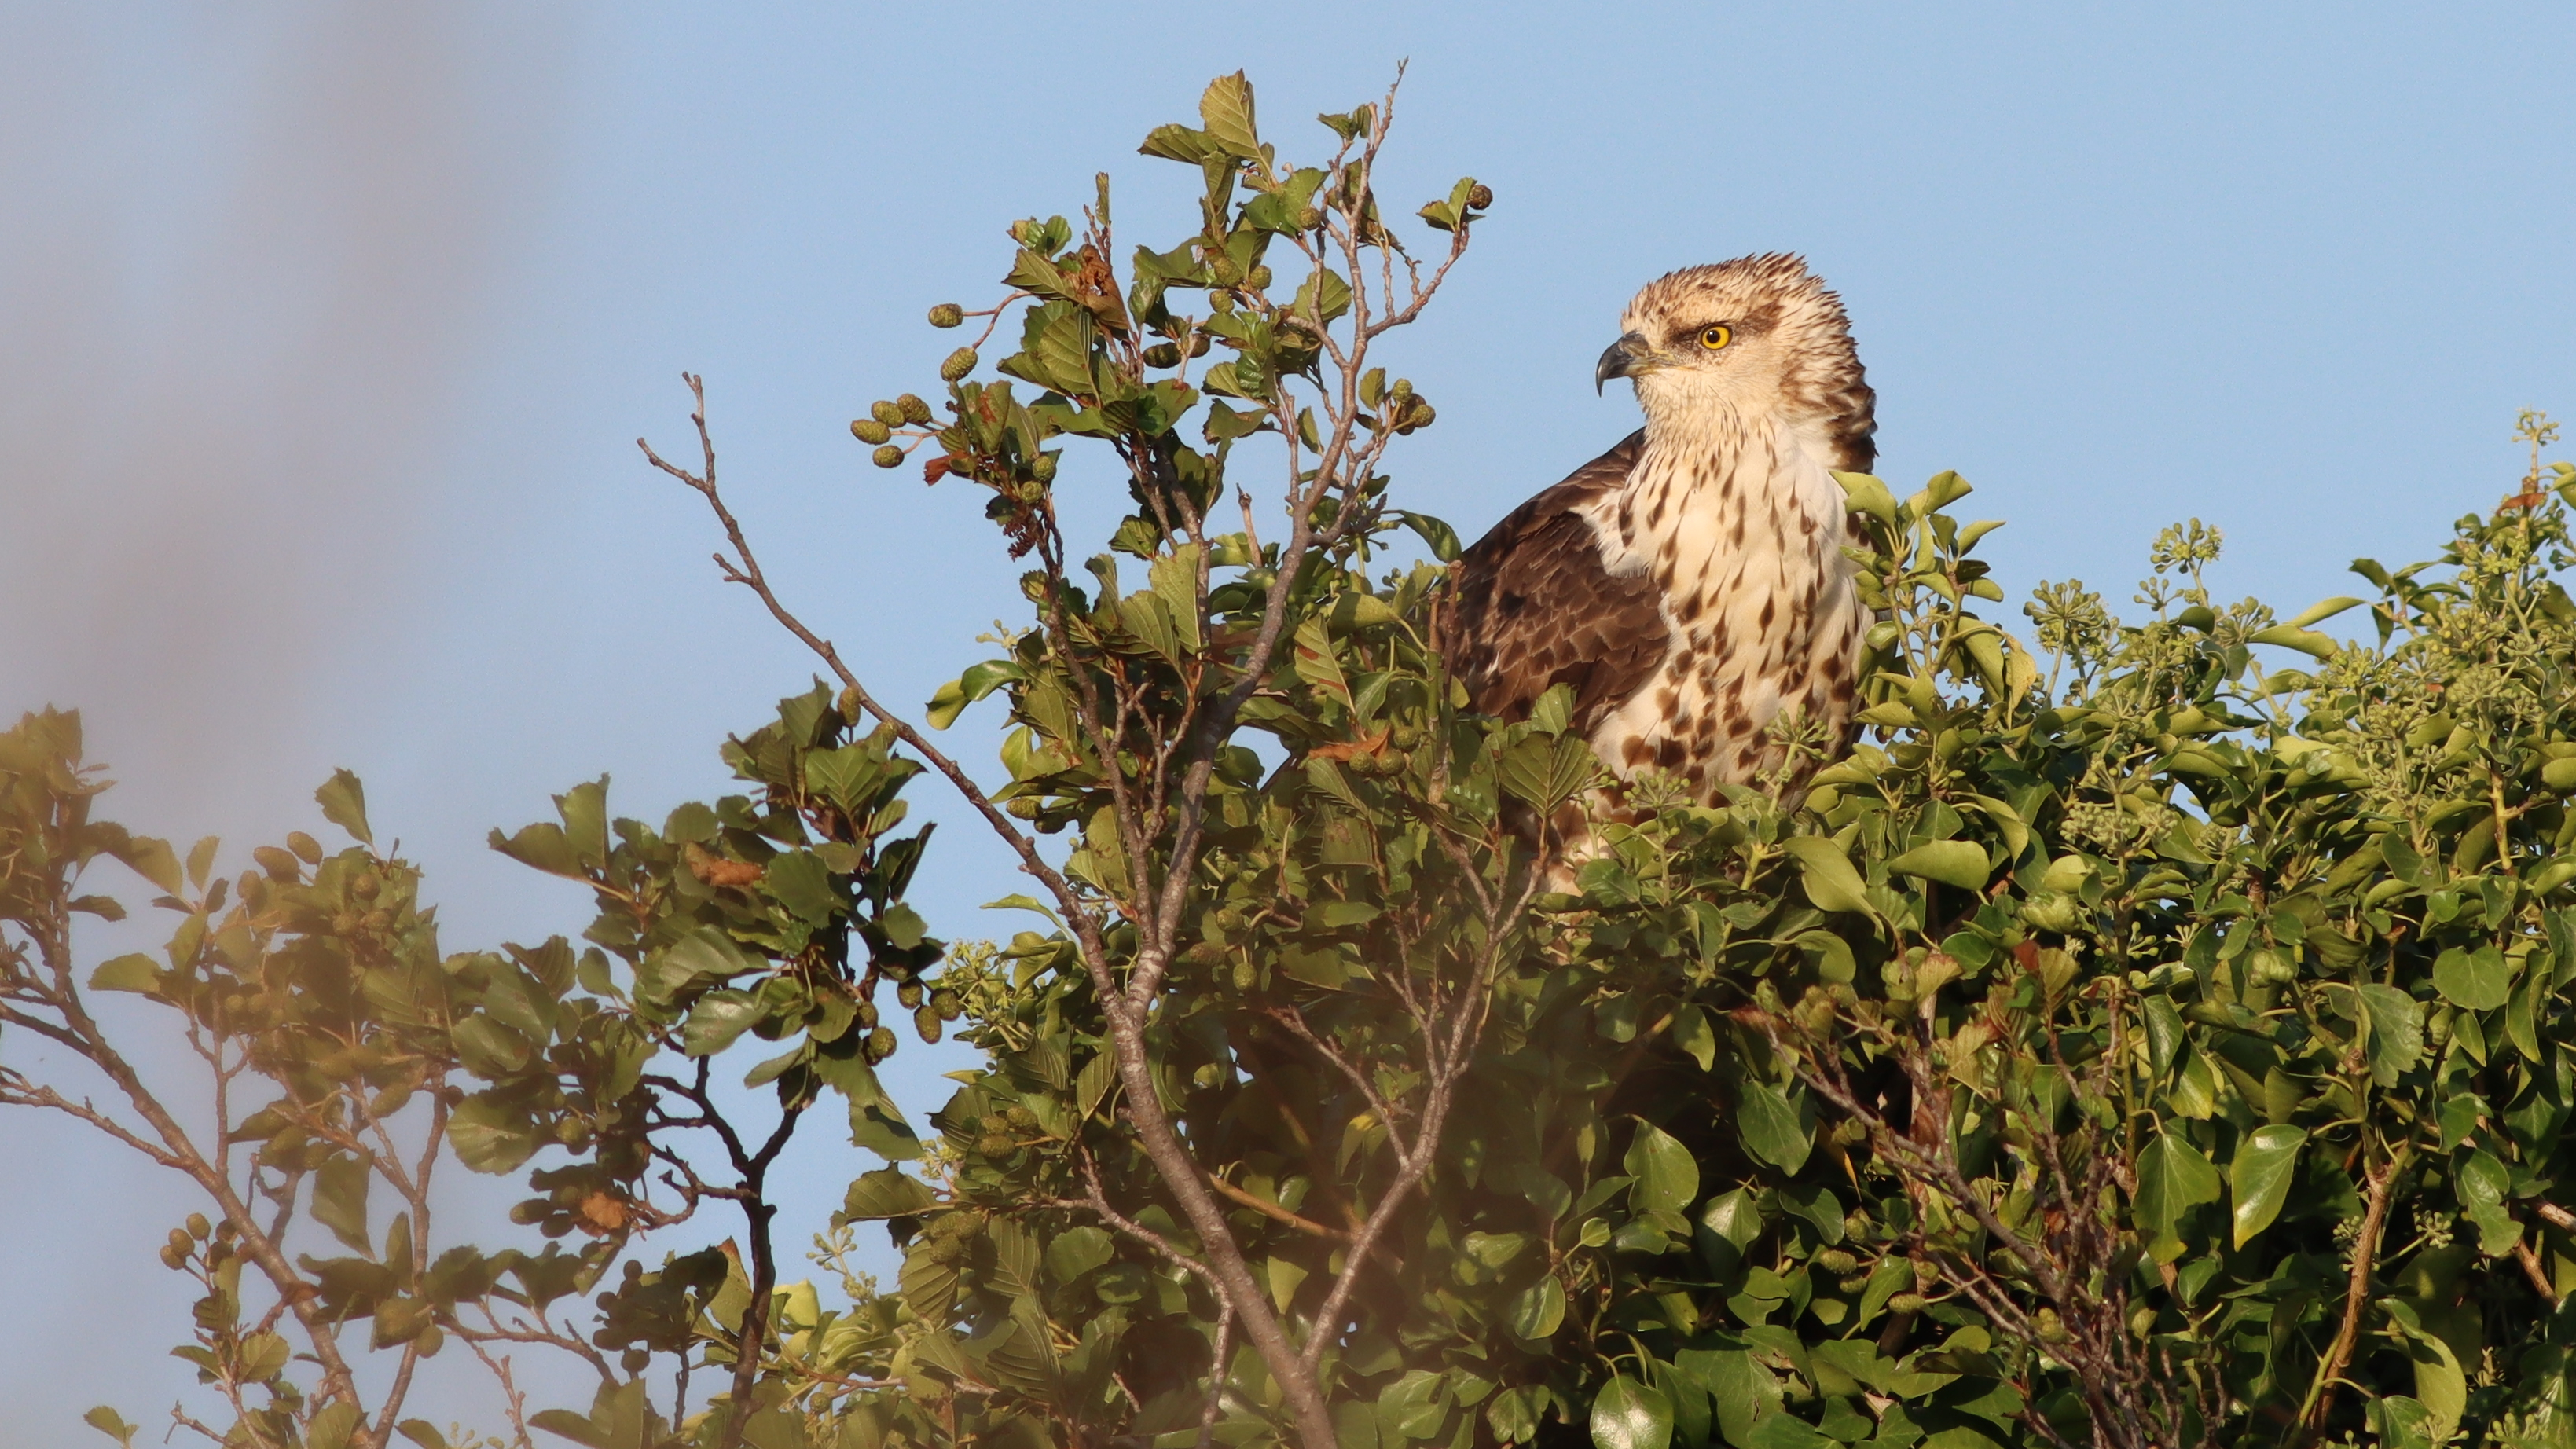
[1759,336]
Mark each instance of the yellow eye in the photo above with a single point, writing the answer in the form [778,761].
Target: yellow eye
[1716,337]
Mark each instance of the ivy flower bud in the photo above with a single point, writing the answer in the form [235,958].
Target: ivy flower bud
[947,314]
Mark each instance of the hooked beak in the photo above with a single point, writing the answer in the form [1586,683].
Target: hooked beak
[1625,358]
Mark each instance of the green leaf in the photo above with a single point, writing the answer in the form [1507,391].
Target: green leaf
[1178,143]
[903,926]
[2318,613]
[1631,1414]
[2482,1185]
[571,1426]
[2399,853]
[704,955]
[1785,1431]
[1513,1414]
[1313,650]
[1693,1034]
[344,803]
[879,1128]
[1539,1309]
[2259,1178]
[1772,1127]
[1225,108]
[107,1421]
[1546,772]
[1175,580]
[1076,1251]
[2441,1386]
[1827,874]
[340,1200]
[1960,863]
[2173,1178]
[2290,636]
[130,972]
[2475,980]
[717,1019]
[331,1426]
[1024,903]
[1667,1176]
[1865,494]
[2396,1026]
[1439,537]
[488,1136]
[888,1192]
[2401,1421]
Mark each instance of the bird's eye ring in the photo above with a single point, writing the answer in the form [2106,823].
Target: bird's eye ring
[1716,337]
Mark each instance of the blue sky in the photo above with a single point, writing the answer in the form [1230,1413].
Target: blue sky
[325,334]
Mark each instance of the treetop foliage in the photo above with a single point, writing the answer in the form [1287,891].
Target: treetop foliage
[2135,1040]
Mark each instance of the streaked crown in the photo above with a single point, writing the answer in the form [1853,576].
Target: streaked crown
[1757,334]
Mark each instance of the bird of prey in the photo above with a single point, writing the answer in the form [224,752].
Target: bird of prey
[1689,585]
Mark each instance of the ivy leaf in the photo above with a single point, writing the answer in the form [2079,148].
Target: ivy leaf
[2259,1178]
[2396,1025]
[1539,1309]
[1772,1127]
[2475,980]
[1693,1034]
[1631,1414]
[2173,1178]
[1827,874]
[2441,1386]
[1787,1431]
[1439,537]
[1960,863]
[2481,1184]
[1667,1176]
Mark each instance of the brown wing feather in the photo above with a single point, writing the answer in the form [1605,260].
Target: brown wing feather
[1532,607]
